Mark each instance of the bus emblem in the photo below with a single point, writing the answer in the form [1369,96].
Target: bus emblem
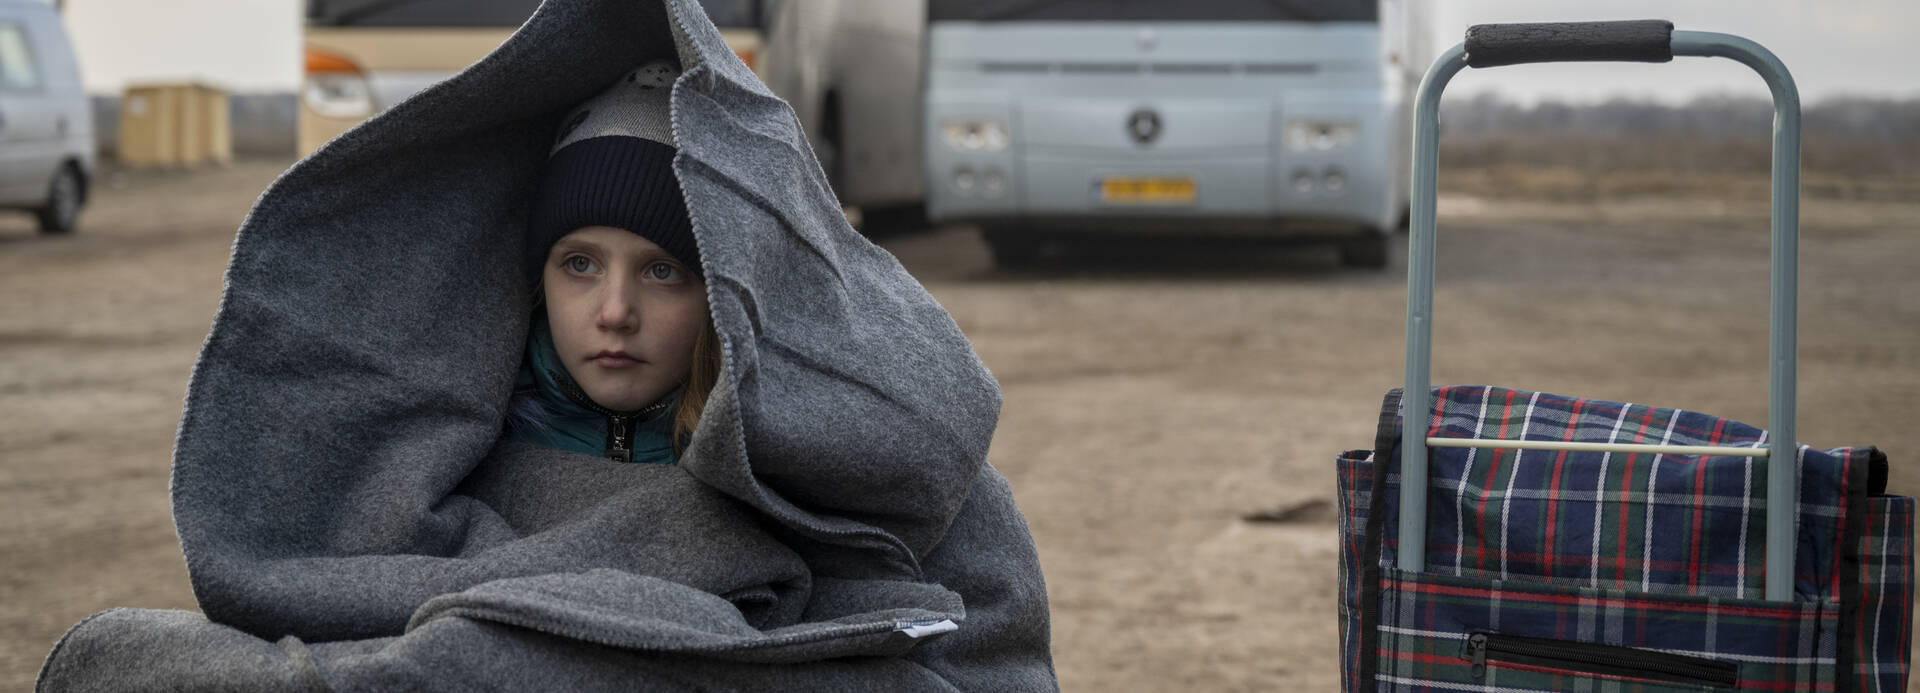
[1144,125]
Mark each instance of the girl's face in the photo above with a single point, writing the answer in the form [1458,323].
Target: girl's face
[624,313]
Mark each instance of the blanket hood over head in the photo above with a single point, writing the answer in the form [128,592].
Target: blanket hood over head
[340,485]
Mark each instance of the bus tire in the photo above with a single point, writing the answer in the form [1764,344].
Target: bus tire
[828,148]
[1011,249]
[1366,252]
[892,220]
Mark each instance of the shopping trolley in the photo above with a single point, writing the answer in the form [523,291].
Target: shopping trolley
[1503,540]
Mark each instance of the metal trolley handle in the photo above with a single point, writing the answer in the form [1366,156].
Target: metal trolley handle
[1492,45]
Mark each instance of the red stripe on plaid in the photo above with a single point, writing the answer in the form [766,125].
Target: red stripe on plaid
[1486,488]
[1862,649]
[1355,473]
[1439,411]
[1604,601]
[1439,405]
[1599,410]
[1559,463]
[1786,685]
[1906,580]
[1863,652]
[1626,503]
[1863,680]
[1699,508]
[1420,658]
[1573,560]
[1906,577]
[1840,522]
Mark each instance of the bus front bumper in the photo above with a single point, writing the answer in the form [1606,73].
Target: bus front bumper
[1239,196]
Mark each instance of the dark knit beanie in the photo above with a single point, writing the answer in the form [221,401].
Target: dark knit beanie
[612,165]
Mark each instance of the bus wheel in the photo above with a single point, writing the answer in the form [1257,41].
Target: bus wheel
[828,148]
[1366,252]
[892,220]
[1011,248]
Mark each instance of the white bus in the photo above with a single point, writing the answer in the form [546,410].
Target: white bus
[852,71]
[364,56]
[1051,119]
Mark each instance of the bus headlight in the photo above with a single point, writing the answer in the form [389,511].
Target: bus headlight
[1320,135]
[964,180]
[1335,179]
[1302,181]
[335,87]
[975,134]
[339,96]
[993,182]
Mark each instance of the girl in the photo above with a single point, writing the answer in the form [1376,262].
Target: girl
[524,384]
[621,354]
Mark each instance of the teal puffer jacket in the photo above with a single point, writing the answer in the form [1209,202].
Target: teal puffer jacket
[550,409]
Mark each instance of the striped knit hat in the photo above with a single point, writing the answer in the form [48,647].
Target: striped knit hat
[612,165]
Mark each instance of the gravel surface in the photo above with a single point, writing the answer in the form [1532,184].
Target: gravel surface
[1155,395]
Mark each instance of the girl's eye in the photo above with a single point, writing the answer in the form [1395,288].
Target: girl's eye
[663,272]
[579,264]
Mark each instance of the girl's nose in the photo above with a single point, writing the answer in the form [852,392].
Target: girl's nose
[619,311]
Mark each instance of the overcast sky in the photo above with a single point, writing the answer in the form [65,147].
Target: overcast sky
[1833,47]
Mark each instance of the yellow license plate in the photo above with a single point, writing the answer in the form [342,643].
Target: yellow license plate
[1147,190]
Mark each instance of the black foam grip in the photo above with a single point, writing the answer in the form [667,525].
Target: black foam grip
[1638,41]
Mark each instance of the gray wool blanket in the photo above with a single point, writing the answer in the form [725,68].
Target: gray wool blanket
[352,521]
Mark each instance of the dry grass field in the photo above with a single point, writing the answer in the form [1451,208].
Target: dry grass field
[1591,168]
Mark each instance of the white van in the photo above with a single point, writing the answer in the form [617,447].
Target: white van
[46,125]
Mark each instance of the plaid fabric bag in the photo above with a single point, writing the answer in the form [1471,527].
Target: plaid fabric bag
[1593,571]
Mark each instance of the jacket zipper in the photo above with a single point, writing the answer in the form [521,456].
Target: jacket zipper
[620,438]
[1630,662]
[620,425]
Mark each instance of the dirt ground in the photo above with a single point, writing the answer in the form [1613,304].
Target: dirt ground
[1154,396]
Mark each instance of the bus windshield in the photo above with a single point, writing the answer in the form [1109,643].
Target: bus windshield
[493,13]
[1154,10]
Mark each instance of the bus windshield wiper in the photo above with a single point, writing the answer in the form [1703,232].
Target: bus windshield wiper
[1316,10]
[1012,10]
[347,13]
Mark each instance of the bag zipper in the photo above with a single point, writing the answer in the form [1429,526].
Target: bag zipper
[1611,660]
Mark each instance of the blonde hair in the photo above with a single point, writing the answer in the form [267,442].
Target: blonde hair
[702,375]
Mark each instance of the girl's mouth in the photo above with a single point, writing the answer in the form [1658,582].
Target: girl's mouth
[615,359]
